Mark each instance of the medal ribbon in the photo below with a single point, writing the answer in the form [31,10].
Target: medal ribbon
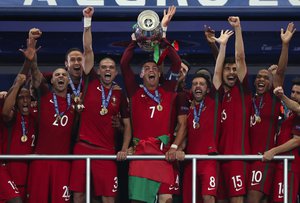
[257,109]
[75,91]
[197,115]
[156,98]
[56,104]
[24,130]
[105,101]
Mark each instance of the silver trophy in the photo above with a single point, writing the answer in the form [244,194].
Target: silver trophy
[148,31]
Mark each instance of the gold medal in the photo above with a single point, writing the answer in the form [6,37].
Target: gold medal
[257,119]
[76,99]
[159,107]
[195,125]
[103,111]
[24,138]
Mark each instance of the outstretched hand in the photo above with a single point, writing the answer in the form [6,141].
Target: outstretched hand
[168,16]
[288,34]
[224,37]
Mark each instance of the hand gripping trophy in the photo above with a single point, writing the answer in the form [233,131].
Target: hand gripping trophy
[148,30]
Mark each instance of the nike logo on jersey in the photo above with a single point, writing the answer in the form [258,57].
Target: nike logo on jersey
[114,190]
[238,189]
[98,88]
[173,188]
[252,184]
[280,196]
[211,188]
[51,101]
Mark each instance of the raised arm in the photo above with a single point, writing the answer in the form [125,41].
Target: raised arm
[30,51]
[87,40]
[10,100]
[291,104]
[222,40]
[286,37]
[209,34]
[127,73]
[168,15]
[239,47]
[30,54]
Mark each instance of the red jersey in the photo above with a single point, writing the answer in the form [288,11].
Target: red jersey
[54,134]
[12,143]
[96,128]
[296,131]
[235,120]
[287,130]
[262,134]
[1,127]
[144,111]
[203,140]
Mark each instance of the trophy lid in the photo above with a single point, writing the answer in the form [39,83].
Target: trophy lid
[148,20]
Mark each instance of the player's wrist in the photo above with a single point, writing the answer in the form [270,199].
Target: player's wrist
[87,22]
[174,146]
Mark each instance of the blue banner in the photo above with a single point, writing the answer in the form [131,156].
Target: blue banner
[129,9]
[151,3]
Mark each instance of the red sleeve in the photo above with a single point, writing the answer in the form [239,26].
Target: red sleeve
[128,75]
[175,60]
[182,104]
[245,84]
[47,77]
[124,107]
[296,126]
[44,88]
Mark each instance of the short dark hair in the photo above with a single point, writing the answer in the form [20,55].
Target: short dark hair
[70,50]
[148,61]
[201,75]
[107,58]
[229,59]
[210,75]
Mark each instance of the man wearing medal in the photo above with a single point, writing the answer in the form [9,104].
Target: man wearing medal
[231,73]
[153,110]
[287,143]
[73,64]
[103,101]
[55,121]
[19,130]
[203,123]
[264,122]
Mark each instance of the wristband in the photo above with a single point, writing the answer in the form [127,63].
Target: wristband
[87,22]
[164,29]
[174,146]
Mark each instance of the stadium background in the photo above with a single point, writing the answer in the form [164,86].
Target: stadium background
[61,24]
